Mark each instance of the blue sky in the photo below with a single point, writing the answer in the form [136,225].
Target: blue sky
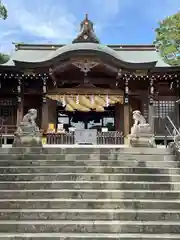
[57,21]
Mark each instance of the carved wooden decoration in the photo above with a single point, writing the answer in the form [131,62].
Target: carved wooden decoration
[141,72]
[85,65]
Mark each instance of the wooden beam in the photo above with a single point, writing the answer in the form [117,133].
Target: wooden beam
[110,68]
[91,79]
[86,91]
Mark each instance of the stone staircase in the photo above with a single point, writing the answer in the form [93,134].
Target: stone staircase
[89,193]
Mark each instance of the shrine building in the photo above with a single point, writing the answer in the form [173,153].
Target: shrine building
[88,85]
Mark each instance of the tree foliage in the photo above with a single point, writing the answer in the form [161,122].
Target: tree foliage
[3,15]
[168,39]
[3,11]
[4,58]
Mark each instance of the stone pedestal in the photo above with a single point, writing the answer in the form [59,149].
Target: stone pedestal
[28,138]
[141,140]
[28,134]
[27,141]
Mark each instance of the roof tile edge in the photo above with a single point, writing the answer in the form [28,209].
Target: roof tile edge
[24,46]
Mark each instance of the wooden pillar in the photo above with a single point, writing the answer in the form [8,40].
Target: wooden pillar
[52,113]
[126,120]
[44,119]
[177,107]
[126,111]
[44,106]
[20,104]
[151,115]
[151,118]
[20,113]
[119,119]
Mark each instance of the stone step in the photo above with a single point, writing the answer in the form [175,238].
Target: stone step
[89,236]
[82,184]
[90,214]
[95,226]
[89,194]
[63,163]
[67,203]
[95,160]
[87,169]
[111,155]
[85,157]
[82,149]
[89,177]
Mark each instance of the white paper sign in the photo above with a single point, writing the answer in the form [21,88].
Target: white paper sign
[86,136]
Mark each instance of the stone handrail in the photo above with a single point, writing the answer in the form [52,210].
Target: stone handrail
[175,145]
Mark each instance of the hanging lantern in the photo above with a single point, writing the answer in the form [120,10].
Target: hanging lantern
[107,100]
[19,99]
[152,90]
[92,99]
[126,90]
[44,89]
[77,99]
[19,89]
[63,101]
[44,99]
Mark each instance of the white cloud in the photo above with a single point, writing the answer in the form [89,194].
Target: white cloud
[36,20]
[57,20]
[51,21]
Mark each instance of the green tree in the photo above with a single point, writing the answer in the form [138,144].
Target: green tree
[3,11]
[168,39]
[3,15]
[4,58]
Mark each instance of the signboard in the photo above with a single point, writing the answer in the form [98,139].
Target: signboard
[86,136]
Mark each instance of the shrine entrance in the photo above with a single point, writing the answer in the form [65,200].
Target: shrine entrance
[80,112]
[87,120]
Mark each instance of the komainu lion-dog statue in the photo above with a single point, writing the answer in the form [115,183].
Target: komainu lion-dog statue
[141,133]
[28,131]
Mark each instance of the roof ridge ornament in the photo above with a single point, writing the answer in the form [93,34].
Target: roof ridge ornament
[87,33]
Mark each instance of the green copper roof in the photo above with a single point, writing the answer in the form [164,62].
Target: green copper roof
[37,54]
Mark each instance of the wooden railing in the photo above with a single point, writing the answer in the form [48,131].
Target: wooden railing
[113,137]
[1,129]
[8,129]
[159,126]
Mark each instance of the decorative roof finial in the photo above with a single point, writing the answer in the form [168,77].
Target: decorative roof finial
[86,16]
[87,33]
